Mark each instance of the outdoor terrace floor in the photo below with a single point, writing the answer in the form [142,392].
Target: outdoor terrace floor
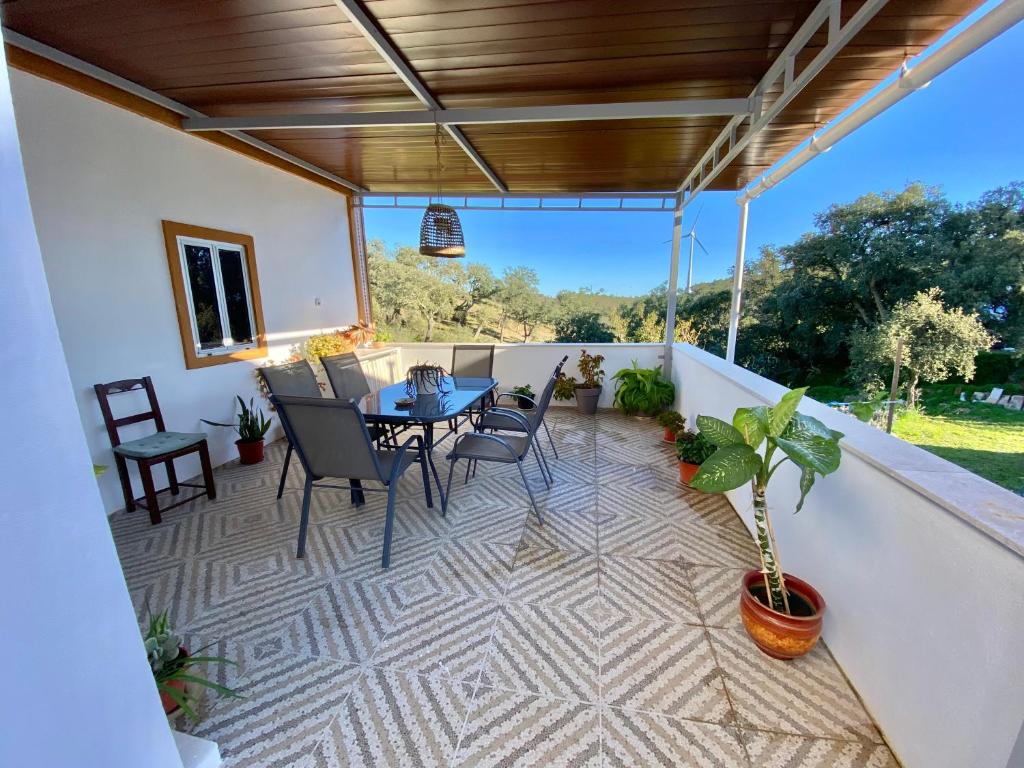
[608,636]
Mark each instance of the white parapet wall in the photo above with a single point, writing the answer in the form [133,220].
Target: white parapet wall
[921,564]
[521,364]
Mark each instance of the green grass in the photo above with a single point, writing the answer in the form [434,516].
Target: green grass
[988,440]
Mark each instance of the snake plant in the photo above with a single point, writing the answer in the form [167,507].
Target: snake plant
[803,440]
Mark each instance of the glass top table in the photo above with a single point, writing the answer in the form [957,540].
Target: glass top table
[458,394]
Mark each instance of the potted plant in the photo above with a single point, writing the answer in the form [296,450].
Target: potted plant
[642,390]
[172,666]
[692,450]
[781,613]
[252,428]
[525,402]
[425,379]
[673,423]
[588,391]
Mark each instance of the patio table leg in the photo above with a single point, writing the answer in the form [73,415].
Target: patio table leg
[358,497]
[428,448]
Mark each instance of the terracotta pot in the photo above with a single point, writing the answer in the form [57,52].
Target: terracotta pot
[687,471]
[777,634]
[170,705]
[250,451]
[670,435]
[586,400]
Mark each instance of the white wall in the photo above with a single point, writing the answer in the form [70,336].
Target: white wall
[77,690]
[925,610]
[520,364]
[100,180]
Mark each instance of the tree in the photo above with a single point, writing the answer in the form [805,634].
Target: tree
[582,326]
[936,342]
[521,301]
[479,285]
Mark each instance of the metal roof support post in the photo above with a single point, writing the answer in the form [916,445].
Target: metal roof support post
[737,283]
[673,288]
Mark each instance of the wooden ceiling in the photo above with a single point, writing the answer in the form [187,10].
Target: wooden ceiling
[260,57]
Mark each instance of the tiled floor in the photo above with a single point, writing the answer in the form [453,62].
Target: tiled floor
[607,636]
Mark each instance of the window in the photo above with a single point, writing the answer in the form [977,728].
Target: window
[216,292]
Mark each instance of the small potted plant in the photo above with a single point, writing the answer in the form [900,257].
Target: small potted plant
[252,428]
[692,450]
[425,379]
[172,666]
[782,613]
[673,424]
[642,391]
[524,397]
[588,391]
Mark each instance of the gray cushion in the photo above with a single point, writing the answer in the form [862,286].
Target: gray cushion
[387,460]
[474,446]
[159,444]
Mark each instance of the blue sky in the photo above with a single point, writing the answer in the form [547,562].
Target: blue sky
[958,134]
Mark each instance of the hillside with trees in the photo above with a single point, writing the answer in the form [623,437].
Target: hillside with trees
[807,307]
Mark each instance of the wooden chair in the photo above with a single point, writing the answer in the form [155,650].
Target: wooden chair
[162,447]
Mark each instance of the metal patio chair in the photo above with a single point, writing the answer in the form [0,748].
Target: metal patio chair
[348,380]
[474,361]
[332,441]
[502,449]
[162,447]
[498,419]
[293,379]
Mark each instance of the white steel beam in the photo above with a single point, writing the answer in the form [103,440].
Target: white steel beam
[625,202]
[367,26]
[909,80]
[729,144]
[672,294]
[84,67]
[630,110]
[737,285]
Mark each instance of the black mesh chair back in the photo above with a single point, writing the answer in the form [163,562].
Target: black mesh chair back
[345,373]
[330,437]
[332,440]
[473,360]
[294,379]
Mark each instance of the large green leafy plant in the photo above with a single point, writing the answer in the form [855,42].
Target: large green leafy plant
[803,440]
[642,390]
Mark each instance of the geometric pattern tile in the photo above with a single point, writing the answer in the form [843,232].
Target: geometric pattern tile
[804,697]
[439,634]
[507,728]
[606,635]
[653,666]
[544,650]
[718,594]
[656,589]
[400,719]
[635,738]
[773,750]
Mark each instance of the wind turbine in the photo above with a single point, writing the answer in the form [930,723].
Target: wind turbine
[694,240]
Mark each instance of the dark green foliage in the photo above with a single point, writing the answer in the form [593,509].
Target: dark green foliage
[694,448]
[581,326]
[642,390]
[672,420]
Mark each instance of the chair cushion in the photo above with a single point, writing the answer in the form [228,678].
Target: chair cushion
[483,448]
[159,444]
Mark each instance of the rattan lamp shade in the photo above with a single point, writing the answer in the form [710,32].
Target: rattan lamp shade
[441,232]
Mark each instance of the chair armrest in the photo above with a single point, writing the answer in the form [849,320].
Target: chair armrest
[518,397]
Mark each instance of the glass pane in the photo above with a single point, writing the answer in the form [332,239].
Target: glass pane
[235,296]
[204,296]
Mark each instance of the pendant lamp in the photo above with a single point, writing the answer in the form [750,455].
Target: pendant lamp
[441,230]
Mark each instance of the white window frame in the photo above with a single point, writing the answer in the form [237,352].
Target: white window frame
[215,246]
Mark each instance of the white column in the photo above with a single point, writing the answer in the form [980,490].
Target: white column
[673,288]
[737,284]
[77,688]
